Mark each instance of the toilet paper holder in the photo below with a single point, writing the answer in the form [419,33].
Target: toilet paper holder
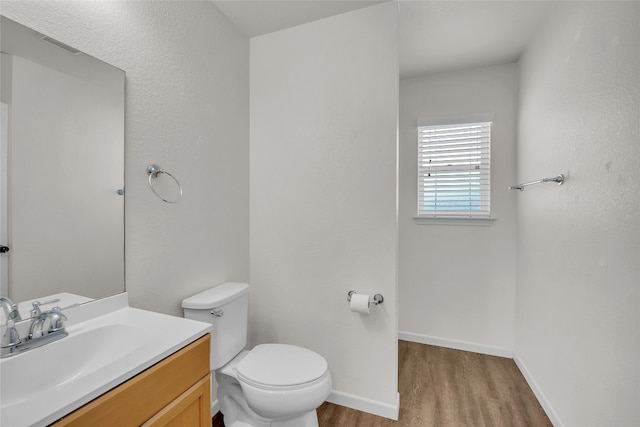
[377,298]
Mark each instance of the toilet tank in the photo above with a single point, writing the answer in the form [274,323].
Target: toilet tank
[226,307]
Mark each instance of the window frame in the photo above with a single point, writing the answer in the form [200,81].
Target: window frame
[462,216]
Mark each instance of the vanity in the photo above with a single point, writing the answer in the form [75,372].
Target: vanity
[173,392]
[118,366]
[62,210]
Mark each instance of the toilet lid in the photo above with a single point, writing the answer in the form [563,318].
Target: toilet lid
[281,365]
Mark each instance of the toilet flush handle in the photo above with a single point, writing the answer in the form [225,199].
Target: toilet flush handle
[217,313]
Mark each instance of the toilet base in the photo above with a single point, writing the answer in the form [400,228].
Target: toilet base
[237,412]
[308,420]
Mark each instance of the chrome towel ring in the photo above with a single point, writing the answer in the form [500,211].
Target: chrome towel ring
[153,171]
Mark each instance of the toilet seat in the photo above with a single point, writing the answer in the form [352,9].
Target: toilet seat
[281,366]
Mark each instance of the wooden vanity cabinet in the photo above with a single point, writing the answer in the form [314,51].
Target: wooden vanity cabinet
[174,392]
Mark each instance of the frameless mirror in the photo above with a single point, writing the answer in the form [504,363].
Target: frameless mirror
[61,169]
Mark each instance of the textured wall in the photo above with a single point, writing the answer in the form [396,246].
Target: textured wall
[324,99]
[187,109]
[579,244]
[458,282]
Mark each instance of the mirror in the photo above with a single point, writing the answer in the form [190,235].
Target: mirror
[61,170]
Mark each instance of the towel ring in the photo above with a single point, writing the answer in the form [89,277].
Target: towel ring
[153,171]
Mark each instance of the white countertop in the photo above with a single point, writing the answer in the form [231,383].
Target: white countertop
[108,343]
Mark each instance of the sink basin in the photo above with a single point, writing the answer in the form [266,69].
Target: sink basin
[60,363]
[41,385]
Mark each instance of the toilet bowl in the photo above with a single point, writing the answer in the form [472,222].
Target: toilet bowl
[272,385]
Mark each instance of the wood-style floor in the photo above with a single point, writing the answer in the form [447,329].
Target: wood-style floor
[444,387]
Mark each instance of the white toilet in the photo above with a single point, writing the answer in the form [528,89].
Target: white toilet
[273,385]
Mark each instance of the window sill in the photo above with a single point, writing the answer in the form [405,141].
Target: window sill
[426,220]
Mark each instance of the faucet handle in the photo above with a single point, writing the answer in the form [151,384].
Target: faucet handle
[56,318]
[58,311]
[35,311]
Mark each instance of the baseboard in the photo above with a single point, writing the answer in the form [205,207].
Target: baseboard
[455,344]
[548,409]
[351,401]
[492,351]
[366,405]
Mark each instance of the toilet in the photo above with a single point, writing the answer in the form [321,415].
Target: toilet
[272,385]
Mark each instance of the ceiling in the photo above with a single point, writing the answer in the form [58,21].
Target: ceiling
[434,36]
[258,17]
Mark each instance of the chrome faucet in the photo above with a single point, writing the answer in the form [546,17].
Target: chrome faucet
[37,327]
[46,326]
[10,309]
[11,337]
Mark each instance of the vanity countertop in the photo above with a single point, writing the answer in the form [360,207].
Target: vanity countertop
[108,343]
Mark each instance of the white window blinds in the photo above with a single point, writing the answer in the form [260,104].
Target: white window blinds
[454,168]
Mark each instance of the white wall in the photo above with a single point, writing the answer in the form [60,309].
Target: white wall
[579,244]
[324,100]
[187,109]
[457,283]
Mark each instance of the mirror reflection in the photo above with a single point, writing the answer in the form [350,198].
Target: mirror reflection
[62,170]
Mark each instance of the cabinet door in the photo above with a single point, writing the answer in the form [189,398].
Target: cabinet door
[137,400]
[191,408]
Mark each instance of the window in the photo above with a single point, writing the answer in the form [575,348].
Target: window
[454,172]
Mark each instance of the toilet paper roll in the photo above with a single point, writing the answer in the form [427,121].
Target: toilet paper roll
[360,303]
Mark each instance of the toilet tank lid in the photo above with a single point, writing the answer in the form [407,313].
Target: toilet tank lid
[216,296]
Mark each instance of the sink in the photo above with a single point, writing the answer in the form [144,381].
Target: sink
[60,363]
[41,385]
